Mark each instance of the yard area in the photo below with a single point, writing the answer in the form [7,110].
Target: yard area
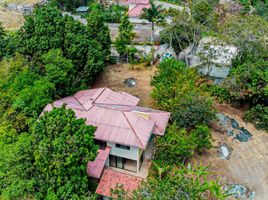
[21,2]
[248,163]
[11,20]
[115,75]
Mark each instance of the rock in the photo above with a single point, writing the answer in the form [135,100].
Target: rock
[225,151]
[244,135]
[234,123]
[130,82]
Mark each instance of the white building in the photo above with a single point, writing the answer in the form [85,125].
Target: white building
[210,57]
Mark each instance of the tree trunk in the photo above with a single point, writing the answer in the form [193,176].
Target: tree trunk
[152,33]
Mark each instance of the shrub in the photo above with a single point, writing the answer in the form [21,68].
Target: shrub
[201,137]
[175,146]
[193,109]
[258,115]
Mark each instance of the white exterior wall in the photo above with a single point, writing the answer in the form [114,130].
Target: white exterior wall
[132,154]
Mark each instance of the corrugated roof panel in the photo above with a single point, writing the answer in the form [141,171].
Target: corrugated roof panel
[116,121]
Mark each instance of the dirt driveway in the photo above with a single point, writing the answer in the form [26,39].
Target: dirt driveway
[248,163]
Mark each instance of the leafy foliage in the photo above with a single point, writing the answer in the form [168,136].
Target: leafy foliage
[51,160]
[181,32]
[248,33]
[58,70]
[153,15]
[62,147]
[259,116]
[201,137]
[23,93]
[125,37]
[184,183]
[193,109]
[99,32]
[249,81]
[203,12]
[176,90]
[88,47]
[175,146]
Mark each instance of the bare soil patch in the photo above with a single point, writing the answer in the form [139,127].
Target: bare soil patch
[248,163]
[115,75]
[20,2]
[11,20]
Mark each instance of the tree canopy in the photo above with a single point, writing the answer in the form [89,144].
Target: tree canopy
[50,161]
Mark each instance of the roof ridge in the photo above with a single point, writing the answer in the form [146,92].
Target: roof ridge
[93,102]
[132,129]
[79,103]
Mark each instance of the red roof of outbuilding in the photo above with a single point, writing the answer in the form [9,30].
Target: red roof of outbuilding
[95,168]
[139,1]
[111,178]
[137,10]
[116,116]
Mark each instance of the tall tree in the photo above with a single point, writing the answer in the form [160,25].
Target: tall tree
[181,32]
[2,42]
[42,31]
[153,15]
[99,32]
[125,37]
[62,147]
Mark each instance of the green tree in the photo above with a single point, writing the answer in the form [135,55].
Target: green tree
[193,109]
[201,137]
[181,32]
[202,11]
[58,70]
[62,147]
[125,37]
[2,42]
[99,32]
[16,169]
[172,80]
[248,81]
[42,31]
[23,94]
[153,15]
[179,183]
[248,32]
[174,147]
[258,115]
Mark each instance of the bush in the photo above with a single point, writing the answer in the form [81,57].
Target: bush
[193,109]
[248,81]
[201,137]
[259,116]
[175,146]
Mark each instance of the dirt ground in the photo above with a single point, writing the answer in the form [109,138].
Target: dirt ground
[248,163]
[21,2]
[11,20]
[114,77]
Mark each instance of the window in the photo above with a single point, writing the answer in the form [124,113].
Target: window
[122,146]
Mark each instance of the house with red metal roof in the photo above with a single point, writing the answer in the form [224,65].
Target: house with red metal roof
[135,7]
[124,133]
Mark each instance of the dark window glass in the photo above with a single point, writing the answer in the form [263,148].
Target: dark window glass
[122,146]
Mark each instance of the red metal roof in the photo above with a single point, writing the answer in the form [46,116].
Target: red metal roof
[110,179]
[139,1]
[95,168]
[116,116]
[137,10]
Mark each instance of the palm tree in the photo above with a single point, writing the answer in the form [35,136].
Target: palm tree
[153,15]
